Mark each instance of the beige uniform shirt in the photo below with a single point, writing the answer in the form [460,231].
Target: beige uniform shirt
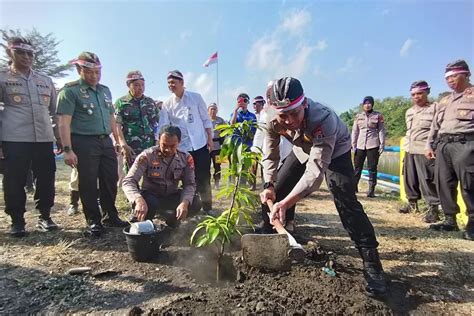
[368,131]
[454,114]
[160,176]
[418,120]
[29,103]
[323,137]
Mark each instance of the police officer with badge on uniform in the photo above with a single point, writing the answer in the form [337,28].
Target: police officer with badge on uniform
[368,140]
[137,118]
[418,171]
[162,168]
[453,131]
[28,101]
[321,148]
[86,119]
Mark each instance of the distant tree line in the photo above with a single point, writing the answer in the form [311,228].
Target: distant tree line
[393,110]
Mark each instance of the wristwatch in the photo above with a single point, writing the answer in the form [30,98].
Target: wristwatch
[267,185]
[67,149]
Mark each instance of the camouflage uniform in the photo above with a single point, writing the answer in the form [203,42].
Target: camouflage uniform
[139,119]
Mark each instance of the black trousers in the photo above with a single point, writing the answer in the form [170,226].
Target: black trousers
[96,160]
[372,162]
[202,164]
[19,156]
[166,206]
[455,162]
[340,180]
[217,166]
[418,177]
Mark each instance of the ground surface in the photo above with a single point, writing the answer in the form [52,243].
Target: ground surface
[430,273]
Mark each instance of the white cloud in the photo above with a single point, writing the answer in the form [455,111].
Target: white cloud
[321,45]
[265,54]
[352,65]
[406,47]
[299,63]
[184,35]
[296,21]
[202,84]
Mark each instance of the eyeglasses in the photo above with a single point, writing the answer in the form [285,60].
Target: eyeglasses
[24,52]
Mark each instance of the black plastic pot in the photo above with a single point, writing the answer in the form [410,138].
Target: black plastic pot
[142,247]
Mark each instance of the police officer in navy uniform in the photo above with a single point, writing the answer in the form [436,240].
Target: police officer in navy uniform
[321,148]
[453,131]
[368,140]
[86,119]
[28,101]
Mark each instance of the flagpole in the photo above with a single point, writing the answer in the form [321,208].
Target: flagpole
[217,80]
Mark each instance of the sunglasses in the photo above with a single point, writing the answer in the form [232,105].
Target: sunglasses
[24,52]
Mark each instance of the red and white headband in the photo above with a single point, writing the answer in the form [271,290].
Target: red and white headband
[23,46]
[286,105]
[455,71]
[84,63]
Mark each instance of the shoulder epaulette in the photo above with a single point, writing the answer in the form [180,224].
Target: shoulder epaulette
[71,84]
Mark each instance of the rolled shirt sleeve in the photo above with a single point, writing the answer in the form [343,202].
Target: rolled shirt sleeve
[189,182]
[130,184]
[271,153]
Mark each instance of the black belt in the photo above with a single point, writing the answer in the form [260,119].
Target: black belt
[453,138]
[103,136]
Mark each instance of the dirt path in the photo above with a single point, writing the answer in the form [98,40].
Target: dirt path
[431,273]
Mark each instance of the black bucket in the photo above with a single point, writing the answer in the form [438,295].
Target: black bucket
[142,247]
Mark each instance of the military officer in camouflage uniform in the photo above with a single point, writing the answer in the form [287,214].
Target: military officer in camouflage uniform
[137,118]
[28,101]
[368,140]
[418,171]
[86,119]
[321,148]
[453,131]
[162,168]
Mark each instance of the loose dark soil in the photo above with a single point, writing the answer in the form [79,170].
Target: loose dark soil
[430,273]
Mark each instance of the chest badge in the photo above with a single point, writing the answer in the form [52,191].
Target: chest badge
[318,132]
[463,112]
[46,99]
[17,99]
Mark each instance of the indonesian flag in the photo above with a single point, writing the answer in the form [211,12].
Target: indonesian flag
[211,60]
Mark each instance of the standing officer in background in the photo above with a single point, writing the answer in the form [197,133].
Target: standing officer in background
[162,167]
[188,111]
[321,148]
[368,140]
[257,142]
[137,119]
[218,140]
[28,101]
[418,171]
[86,119]
[453,129]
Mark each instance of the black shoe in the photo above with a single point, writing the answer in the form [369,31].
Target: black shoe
[18,230]
[96,230]
[373,272]
[449,224]
[116,222]
[432,216]
[469,233]
[411,207]
[46,224]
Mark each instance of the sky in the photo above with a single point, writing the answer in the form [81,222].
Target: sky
[340,50]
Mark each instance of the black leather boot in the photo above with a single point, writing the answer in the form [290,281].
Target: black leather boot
[371,192]
[45,223]
[373,272]
[17,229]
[432,216]
[411,207]
[449,224]
[469,233]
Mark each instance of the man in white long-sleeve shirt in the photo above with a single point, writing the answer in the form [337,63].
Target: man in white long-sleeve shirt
[188,111]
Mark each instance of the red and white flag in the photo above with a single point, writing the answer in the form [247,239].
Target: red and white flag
[211,60]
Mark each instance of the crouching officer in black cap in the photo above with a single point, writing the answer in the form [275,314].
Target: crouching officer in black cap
[86,119]
[321,148]
[162,168]
[453,127]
